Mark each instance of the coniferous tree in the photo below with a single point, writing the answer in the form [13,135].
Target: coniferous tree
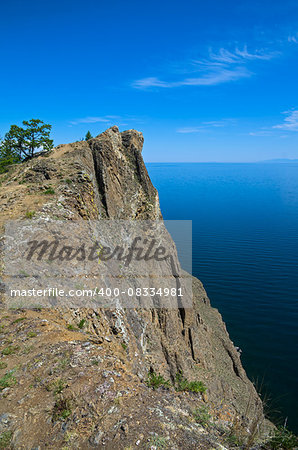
[88,136]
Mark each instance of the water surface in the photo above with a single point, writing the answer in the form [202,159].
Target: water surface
[245,251]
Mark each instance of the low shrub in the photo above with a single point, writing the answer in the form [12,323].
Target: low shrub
[155,381]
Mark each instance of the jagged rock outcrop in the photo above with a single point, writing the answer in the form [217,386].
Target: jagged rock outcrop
[77,378]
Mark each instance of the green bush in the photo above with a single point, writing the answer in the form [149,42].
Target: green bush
[182,384]
[155,381]
[10,350]
[202,416]
[49,191]
[81,324]
[283,439]
[5,439]
[62,409]
[8,380]
[30,214]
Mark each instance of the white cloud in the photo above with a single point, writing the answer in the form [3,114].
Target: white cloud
[204,126]
[261,133]
[293,39]
[218,68]
[91,119]
[290,122]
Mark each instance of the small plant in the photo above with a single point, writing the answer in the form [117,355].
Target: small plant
[155,381]
[3,365]
[157,442]
[182,384]
[31,334]
[10,350]
[95,362]
[62,409]
[5,439]
[202,416]
[18,320]
[283,439]
[8,380]
[81,324]
[68,181]
[123,345]
[58,386]
[30,214]
[49,191]
[71,327]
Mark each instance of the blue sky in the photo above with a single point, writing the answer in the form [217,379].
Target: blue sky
[204,81]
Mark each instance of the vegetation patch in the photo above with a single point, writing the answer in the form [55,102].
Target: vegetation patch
[31,334]
[5,439]
[282,439]
[8,380]
[157,442]
[49,191]
[30,214]
[81,324]
[155,381]
[62,409]
[18,320]
[10,350]
[182,384]
[202,416]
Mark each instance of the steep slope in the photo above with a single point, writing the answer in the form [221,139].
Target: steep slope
[77,378]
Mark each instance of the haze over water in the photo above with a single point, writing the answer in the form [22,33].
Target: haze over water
[245,251]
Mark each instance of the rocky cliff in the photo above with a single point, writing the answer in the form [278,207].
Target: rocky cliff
[78,378]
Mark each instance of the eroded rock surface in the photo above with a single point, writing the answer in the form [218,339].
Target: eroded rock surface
[77,378]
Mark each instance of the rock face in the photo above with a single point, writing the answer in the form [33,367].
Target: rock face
[77,378]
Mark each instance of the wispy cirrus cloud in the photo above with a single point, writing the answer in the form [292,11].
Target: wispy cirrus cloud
[92,119]
[264,133]
[205,126]
[221,67]
[290,122]
[293,38]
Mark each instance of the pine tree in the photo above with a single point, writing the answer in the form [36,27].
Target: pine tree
[25,141]
[88,136]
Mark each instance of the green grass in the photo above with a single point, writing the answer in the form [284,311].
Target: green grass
[59,385]
[10,350]
[82,323]
[49,191]
[123,345]
[8,380]
[20,319]
[5,439]
[3,365]
[30,214]
[157,442]
[202,416]
[56,386]
[68,181]
[182,384]
[62,409]
[31,334]
[282,439]
[155,381]
[71,327]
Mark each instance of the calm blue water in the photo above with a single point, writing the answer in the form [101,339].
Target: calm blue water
[245,251]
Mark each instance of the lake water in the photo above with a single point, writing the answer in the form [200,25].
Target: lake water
[245,251]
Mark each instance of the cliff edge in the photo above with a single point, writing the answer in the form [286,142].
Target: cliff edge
[78,378]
